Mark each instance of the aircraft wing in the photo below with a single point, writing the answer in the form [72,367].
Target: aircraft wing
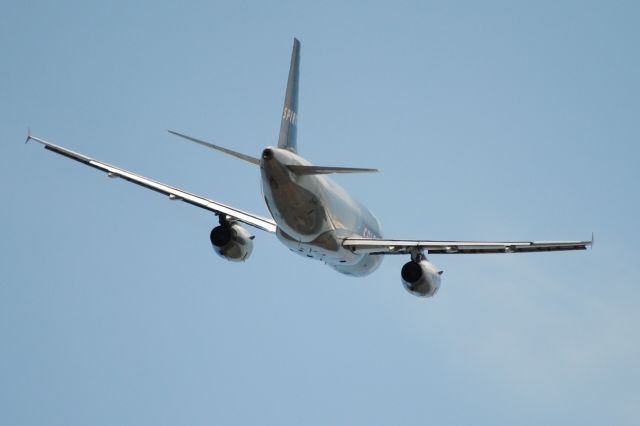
[174,194]
[375,246]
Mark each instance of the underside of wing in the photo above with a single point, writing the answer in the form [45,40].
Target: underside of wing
[375,246]
[174,194]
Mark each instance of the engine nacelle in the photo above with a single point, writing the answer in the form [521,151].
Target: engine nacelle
[232,242]
[421,278]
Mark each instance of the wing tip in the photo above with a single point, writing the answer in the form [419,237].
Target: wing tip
[30,137]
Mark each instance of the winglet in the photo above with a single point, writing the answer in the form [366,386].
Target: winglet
[30,137]
[592,241]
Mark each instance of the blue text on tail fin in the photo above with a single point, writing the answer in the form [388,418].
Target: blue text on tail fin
[288,125]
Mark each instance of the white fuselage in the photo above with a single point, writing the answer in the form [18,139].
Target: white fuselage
[314,214]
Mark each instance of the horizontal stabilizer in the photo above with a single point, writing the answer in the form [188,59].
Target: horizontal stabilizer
[227,151]
[321,170]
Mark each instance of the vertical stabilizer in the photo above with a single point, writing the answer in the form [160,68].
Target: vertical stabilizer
[289,124]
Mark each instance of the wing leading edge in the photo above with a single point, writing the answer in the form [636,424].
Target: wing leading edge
[173,193]
[374,246]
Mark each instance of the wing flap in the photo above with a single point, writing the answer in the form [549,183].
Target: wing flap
[374,246]
[174,193]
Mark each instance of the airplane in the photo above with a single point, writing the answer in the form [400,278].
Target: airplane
[311,214]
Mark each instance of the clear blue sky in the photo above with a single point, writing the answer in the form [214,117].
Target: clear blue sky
[489,120]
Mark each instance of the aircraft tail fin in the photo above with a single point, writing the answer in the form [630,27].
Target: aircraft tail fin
[289,122]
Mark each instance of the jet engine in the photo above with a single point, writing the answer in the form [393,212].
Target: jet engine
[421,278]
[232,242]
